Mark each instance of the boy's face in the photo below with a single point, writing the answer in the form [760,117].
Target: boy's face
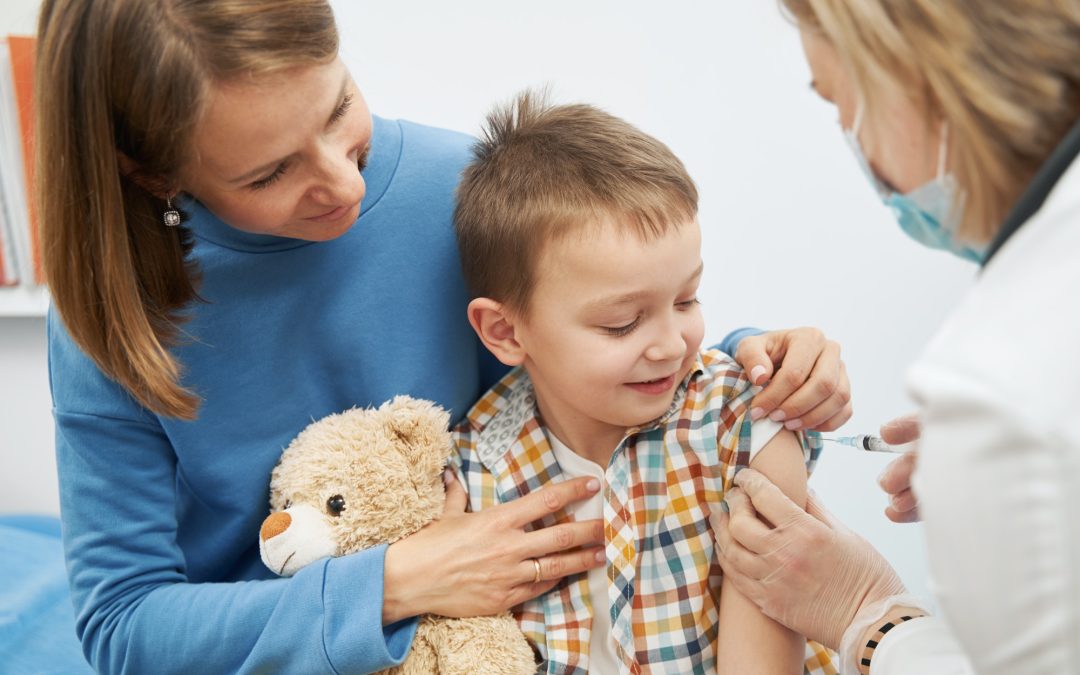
[613,327]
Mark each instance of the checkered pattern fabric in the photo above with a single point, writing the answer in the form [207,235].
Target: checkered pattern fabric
[662,481]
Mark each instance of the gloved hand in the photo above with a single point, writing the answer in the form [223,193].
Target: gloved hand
[896,478]
[808,571]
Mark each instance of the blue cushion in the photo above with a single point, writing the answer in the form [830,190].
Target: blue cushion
[37,623]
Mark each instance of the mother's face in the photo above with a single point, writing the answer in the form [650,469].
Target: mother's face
[900,141]
[282,154]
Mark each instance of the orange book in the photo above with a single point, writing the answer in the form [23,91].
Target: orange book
[22,70]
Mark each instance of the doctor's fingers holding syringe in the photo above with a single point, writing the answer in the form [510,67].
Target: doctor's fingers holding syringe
[895,480]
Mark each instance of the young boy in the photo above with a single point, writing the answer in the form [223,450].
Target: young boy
[580,244]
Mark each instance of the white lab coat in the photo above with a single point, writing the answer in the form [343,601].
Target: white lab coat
[999,463]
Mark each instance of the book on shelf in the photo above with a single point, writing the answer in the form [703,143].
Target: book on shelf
[8,275]
[20,250]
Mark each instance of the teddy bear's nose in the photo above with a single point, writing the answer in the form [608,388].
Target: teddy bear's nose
[275,524]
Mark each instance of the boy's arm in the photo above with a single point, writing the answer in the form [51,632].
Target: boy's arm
[749,641]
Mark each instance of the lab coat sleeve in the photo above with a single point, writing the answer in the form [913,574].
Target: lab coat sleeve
[994,492]
[922,646]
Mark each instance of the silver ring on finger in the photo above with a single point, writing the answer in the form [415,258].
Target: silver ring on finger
[536,567]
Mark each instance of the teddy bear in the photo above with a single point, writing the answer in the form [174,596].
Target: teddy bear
[371,476]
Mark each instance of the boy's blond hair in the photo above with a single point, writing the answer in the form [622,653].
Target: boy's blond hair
[543,171]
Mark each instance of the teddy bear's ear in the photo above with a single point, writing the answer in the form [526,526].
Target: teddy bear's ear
[418,423]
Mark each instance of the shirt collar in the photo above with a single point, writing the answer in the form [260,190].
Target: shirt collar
[505,412]
[1040,188]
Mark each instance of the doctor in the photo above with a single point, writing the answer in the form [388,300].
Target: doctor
[966,118]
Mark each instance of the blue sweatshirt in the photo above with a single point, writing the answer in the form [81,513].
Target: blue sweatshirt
[158,514]
[161,517]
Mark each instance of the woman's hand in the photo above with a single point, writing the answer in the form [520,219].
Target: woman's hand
[474,564]
[807,570]
[810,389]
[896,478]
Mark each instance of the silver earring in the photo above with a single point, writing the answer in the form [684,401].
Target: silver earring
[171,215]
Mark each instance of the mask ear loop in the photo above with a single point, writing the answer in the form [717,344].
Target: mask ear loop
[943,155]
[943,150]
[856,126]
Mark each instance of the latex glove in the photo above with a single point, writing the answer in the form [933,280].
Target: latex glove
[896,478]
[808,571]
[810,387]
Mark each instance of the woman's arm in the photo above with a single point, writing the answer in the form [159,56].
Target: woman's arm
[136,609]
[749,641]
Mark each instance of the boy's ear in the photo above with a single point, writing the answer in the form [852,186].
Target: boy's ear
[495,328]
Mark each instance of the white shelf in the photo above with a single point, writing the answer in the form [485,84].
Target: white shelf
[20,301]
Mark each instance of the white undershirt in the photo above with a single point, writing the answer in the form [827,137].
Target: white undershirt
[603,654]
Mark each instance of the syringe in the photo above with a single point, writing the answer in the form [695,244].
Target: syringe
[868,442]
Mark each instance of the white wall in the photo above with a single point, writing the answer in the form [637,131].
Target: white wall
[793,234]
[18,16]
[27,465]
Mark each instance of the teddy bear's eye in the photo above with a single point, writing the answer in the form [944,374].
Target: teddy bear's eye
[288,503]
[335,505]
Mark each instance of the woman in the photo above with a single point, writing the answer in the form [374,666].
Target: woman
[966,117]
[235,246]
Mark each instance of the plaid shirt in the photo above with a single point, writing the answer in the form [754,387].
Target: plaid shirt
[662,480]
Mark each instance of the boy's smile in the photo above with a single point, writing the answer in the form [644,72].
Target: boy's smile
[654,387]
[612,328]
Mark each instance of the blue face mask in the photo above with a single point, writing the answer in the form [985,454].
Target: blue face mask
[929,213]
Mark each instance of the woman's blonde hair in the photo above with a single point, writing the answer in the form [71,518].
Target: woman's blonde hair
[121,85]
[1004,75]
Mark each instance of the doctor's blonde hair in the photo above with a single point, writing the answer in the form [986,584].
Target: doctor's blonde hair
[121,86]
[1004,75]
